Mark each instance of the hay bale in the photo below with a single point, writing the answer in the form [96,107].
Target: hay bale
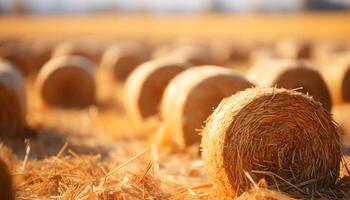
[291,74]
[67,81]
[85,49]
[122,59]
[6,191]
[191,97]
[195,54]
[294,49]
[12,100]
[337,76]
[145,86]
[276,134]
[17,52]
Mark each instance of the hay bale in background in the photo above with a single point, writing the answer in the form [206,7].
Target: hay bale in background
[67,81]
[145,86]
[121,59]
[276,134]
[291,74]
[294,49]
[195,54]
[85,48]
[12,100]
[191,97]
[18,53]
[6,191]
[337,76]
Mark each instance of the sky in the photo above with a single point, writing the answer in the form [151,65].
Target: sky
[160,6]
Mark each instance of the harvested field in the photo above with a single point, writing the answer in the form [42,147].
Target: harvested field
[97,152]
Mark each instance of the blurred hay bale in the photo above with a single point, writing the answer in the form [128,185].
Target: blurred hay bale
[67,81]
[12,100]
[291,74]
[191,97]
[145,86]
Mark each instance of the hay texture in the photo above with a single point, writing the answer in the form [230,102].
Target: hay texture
[280,135]
[337,76]
[145,86]
[67,81]
[84,48]
[12,100]
[121,59]
[6,192]
[291,74]
[191,97]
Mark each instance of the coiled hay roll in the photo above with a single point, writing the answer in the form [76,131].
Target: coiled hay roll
[294,49]
[6,192]
[67,81]
[17,52]
[122,59]
[337,76]
[145,86]
[291,74]
[84,48]
[12,100]
[191,97]
[277,134]
[195,54]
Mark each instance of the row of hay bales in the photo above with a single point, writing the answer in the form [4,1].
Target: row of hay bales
[284,136]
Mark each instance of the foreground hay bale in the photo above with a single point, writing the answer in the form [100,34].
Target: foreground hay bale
[145,86]
[12,100]
[276,134]
[122,59]
[337,76]
[191,97]
[67,81]
[291,74]
[6,192]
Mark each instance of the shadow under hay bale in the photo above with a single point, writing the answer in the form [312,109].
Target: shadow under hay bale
[191,97]
[67,81]
[280,135]
[291,74]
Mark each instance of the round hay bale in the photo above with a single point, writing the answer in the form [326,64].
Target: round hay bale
[191,97]
[6,191]
[67,81]
[122,59]
[291,74]
[145,86]
[337,76]
[276,134]
[85,49]
[12,100]
[17,52]
[294,49]
[195,54]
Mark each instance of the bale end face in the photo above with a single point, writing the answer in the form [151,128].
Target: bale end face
[280,135]
[67,82]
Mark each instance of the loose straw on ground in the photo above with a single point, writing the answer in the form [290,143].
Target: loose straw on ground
[337,76]
[12,100]
[122,59]
[281,135]
[145,86]
[67,81]
[291,74]
[191,97]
